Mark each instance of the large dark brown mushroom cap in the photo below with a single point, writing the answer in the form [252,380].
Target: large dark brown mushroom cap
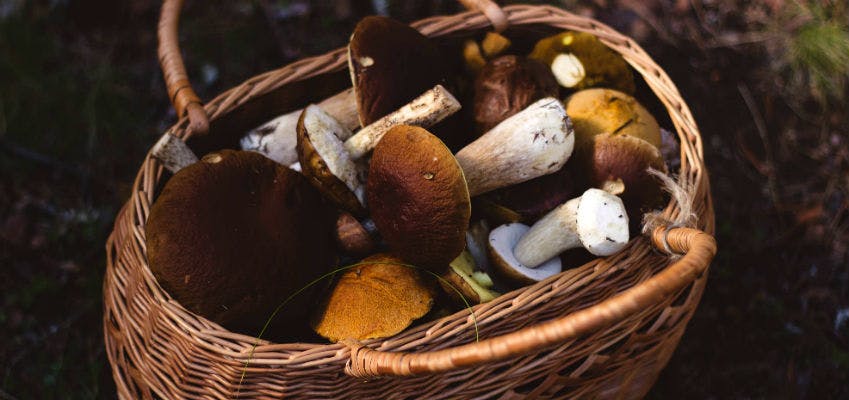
[391,64]
[234,235]
[507,85]
[418,197]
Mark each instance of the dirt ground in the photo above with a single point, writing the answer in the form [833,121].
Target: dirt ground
[81,100]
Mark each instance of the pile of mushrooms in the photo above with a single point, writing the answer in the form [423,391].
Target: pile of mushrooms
[389,183]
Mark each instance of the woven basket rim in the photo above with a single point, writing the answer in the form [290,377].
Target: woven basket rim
[210,337]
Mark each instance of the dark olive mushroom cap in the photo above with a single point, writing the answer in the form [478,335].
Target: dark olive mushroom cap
[230,237]
[418,197]
[375,299]
[508,84]
[390,65]
[628,158]
[315,168]
[596,111]
[603,67]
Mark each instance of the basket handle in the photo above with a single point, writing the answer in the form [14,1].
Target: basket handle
[698,249]
[180,92]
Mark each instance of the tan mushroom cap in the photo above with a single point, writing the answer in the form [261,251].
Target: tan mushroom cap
[418,197]
[230,237]
[596,111]
[376,299]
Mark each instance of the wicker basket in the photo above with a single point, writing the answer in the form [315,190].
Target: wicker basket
[605,329]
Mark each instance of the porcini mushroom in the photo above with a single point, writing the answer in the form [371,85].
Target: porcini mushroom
[391,63]
[596,220]
[502,241]
[326,163]
[277,139]
[579,61]
[507,85]
[353,236]
[377,298]
[418,197]
[231,236]
[597,111]
[627,159]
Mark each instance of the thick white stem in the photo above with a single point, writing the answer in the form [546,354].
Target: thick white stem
[173,153]
[426,110]
[550,236]
[276,139]
[534,142]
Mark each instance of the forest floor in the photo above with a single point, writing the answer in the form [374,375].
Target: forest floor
[82,99]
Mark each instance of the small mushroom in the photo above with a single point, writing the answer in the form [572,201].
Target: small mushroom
[474,285]
[378,298]
[507,85]
[502,241]
[277,139]
[418,197]
[580,61]
[627,159]
[534,142]
[596,111]
[326,163]
[231,236]
[597,221]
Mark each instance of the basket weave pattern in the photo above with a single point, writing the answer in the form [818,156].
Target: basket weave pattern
[159,349]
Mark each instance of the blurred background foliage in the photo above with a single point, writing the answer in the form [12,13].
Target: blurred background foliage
[82,99]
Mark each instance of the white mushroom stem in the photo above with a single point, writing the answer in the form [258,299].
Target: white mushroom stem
[534,142]
[426,110]
[276,139]
[324,132]
[173,153]
[596,221]
[568,70]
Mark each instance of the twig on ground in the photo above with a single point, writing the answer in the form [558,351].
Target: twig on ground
[760,125]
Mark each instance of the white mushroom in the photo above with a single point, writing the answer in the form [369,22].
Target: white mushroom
[276,139]
[596,221]
[502,240]
[534,142]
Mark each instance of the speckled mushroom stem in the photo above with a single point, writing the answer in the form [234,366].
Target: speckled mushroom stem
[276,139]
[426,110]
[596,221]
[173,153]
[534,142]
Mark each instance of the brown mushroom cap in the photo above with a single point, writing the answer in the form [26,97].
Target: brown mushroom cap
[232,236]
[508,84]
[375,299]
[418,197]
[628,158]
[602,66]
[530,200]
[596,111]
[390,64]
